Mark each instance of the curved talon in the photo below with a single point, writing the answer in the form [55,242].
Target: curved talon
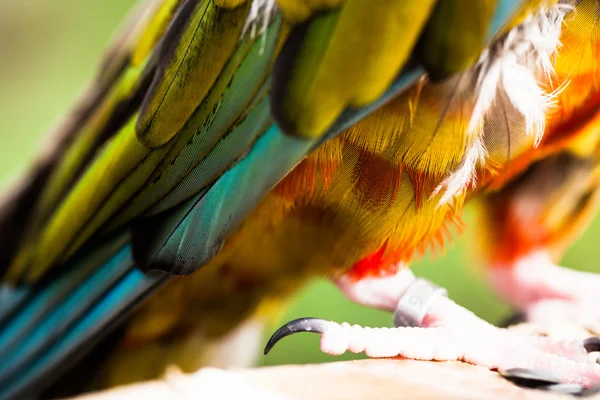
[532,378]
[565,388]
[546,380]
[313,325]
[515,319]
[592,344]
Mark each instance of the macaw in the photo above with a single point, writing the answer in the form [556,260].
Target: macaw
[230,150]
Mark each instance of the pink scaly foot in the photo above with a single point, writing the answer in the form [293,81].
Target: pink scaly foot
[549,294]
[445,332]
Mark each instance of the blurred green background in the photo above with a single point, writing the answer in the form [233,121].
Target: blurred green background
[48,52]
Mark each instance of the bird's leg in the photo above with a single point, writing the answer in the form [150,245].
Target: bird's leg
[528,225]
[548,293]
[441,330]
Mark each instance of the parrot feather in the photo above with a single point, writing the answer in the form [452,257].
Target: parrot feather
[53,315]
[518,66]
[195,49]
[124,147]
[180,244]
[232,92]
[312,77]
[123,79]
[452,40]
[15,210]
[132,288]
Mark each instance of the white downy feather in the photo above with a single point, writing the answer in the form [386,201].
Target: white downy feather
[521,64]
[259,17]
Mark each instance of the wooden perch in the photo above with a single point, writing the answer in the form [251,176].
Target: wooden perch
[361,380]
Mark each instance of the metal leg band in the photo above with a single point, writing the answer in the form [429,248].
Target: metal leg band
[416,301]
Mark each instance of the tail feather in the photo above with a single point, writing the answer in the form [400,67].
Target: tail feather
[30,311]
[10,298]
[66,315]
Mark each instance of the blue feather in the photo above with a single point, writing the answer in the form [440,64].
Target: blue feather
[57,318]
[133,286]
[505,9]
[48,297]
[10,298]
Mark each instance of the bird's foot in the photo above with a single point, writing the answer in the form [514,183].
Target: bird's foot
[550,296]
[494,348]
[449,332]
[553,314]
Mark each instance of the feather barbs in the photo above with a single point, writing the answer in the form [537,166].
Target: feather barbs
[518,68]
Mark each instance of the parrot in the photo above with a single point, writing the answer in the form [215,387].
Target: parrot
[228,151]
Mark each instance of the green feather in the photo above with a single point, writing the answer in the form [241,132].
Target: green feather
[212,120]
[193,55]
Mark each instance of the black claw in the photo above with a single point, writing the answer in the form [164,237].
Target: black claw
[531,378]
[546,380]
[313,325]
[565,388]
[515,319]
[592,344]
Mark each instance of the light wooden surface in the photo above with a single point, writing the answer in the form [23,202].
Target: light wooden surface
[364,379]
[380,379]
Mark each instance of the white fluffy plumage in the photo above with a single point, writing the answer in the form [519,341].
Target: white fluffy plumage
[259,17]
[520,64]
